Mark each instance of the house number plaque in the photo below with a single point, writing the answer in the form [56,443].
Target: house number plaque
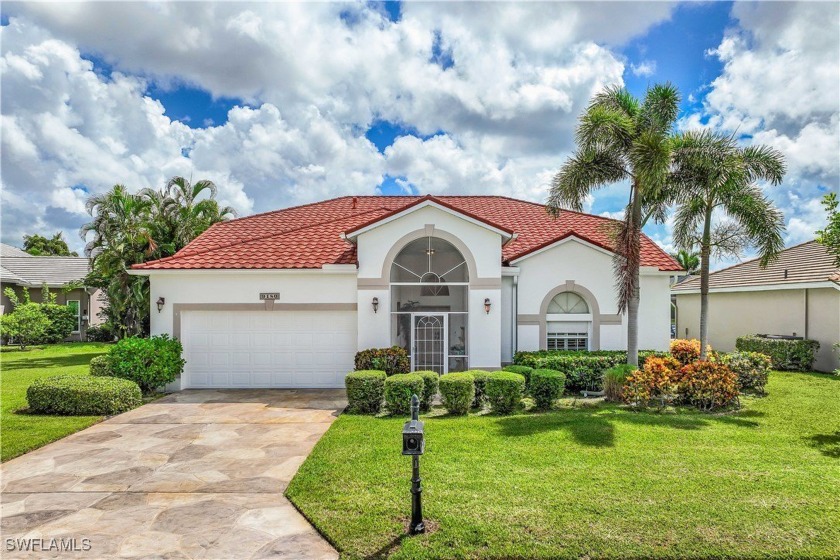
[267,296]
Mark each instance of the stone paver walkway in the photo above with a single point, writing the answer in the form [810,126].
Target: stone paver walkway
[197,474]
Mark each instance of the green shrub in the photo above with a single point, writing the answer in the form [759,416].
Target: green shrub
[101,333]
[149,362]
[25,325]
[480,382]
[365,391]
[399,389]
[752,369]
[583,370]
[79,395]
[391,360]
[457,391]
[100,367]
[785,354]
[524,371]
[614,380]
[63,322]
[430,389]
[546,386]
[504,391]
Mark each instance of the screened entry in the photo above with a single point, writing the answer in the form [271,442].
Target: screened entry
[429,289]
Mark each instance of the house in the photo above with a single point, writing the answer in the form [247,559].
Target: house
[63,277]
[286,298]
[797,295]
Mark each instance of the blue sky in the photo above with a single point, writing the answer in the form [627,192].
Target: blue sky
[284,104]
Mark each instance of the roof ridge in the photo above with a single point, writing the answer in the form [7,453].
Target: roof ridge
[258,238]
[268,212]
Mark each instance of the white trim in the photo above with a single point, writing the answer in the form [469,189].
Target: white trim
[344,269]
[510,271]
[762,288]
[426,204]
[563,241]
[568,317]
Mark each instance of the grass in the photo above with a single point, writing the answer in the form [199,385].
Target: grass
[591,481]
[19,431]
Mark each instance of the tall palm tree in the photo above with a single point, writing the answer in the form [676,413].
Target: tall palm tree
[192,213]
[621,138]
[713,177]
[688,260]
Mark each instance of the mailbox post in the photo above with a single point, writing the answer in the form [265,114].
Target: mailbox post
[414,444]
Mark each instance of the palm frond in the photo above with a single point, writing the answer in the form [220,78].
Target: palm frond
[763,163]
[763,223]
[615,98]
[606,128]
[581,173]
[660,108]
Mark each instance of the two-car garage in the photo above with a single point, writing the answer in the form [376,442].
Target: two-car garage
[267,349]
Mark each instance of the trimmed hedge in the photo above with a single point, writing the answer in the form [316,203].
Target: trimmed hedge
[100,367]
[365,391]
[583,370]
[785,354]
[81,395]
[614,380]
[524,371]
[430,388]
[399,389]
[504,391]
[480,382]
[392,361]
[546,386]
[101,333]
[457,391]
[149,362]
[752,369]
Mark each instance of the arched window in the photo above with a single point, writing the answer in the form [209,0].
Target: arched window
[429,289]
[568,322]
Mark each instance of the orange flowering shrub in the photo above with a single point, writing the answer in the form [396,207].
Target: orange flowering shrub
[708,385]
[656,380]
[685,351]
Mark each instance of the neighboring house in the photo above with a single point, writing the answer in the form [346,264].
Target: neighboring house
[797,295]
[286,298]
[21,271]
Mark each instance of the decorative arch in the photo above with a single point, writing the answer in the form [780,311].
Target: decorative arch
[594,309]
[429,231]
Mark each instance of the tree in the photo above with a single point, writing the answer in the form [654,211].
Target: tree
[712,176]
[128,229]
[41,246]
[27,324]
[623,139]
[830,235]
[689,261]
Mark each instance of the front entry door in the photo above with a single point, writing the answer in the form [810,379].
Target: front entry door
[429,342]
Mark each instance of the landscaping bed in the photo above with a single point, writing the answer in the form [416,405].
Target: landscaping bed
[591,480]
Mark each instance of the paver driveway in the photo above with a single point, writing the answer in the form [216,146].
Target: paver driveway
[197,474]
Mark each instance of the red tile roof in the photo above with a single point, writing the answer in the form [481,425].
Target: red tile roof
[309,236]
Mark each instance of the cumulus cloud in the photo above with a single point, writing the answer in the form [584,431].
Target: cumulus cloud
[645,69]
[314,77]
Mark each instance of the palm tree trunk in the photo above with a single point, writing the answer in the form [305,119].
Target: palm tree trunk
[705,251]
[633,301]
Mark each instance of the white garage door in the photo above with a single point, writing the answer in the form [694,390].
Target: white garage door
[267,348]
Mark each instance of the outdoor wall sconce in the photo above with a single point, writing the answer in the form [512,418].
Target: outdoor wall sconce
[375,303]
[487,305]
[160,302]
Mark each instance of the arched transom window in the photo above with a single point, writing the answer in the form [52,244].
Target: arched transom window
[568,322]
[429,260]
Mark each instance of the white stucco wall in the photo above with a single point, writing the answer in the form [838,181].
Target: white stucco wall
[374,246]
[244,287]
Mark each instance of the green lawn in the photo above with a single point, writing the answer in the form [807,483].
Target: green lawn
[21,432]
[591,481]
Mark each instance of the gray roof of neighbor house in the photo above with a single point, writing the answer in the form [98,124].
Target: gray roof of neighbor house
[806,263]
[17,267]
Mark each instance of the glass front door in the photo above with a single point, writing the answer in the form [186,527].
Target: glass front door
[429,342]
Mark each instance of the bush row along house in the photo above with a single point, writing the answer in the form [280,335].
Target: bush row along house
[797,295]
[63,276]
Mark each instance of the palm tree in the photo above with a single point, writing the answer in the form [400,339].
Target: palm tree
[712,176]
[193,214]
[688,260]
[623,139]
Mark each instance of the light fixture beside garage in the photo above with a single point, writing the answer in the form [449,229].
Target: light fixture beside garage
[160,303]
[487,305]
[375,303]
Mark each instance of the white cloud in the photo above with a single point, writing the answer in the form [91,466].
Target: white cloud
[646,68]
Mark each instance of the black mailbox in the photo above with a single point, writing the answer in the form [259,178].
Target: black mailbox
[413,441]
